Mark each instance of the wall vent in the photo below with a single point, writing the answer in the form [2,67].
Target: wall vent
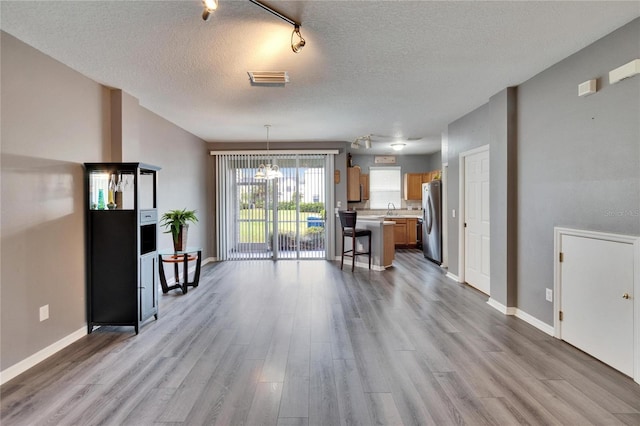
[269,77]
[625,71]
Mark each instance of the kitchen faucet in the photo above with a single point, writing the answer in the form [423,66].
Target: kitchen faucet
[389,207]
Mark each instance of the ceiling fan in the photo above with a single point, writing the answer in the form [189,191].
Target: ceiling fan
[387,138]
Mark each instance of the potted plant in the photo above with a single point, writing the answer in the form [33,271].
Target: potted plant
[176,222]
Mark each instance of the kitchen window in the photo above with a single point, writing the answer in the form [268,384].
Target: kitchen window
[385,187]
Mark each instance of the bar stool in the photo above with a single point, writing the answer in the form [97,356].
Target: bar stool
[348,223]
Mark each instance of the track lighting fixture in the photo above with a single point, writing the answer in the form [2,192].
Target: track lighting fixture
[210,6]
[297,46]
[366,139]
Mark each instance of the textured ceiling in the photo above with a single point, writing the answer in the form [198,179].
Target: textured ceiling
[397,68]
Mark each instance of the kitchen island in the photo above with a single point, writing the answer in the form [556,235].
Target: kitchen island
[382,242]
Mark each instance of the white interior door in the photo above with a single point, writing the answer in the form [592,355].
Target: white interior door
[595,276]
[477,235]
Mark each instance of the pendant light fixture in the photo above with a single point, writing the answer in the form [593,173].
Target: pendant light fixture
[268,171]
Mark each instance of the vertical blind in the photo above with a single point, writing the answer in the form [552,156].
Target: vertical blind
[272,219]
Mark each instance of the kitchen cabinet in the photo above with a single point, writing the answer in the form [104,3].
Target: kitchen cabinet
[405,231]
[364,183]
[389,249]
[353,185]
[121,235]
[412,232]
[413,184]
[429,176]
[399,231]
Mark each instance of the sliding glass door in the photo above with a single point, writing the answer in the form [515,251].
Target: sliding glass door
[280,218]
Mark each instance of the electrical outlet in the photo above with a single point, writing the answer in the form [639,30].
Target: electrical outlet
[549,295]
[339,204]
[44,312]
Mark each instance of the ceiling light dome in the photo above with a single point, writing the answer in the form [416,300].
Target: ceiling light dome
[398,146]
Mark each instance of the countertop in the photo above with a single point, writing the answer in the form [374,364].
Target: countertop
[390,217]
[384,218]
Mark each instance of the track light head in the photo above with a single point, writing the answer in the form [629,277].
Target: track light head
[210,6]
[297,46]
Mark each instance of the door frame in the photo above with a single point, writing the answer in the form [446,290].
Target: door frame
[461,213]
[559,232]
[445,216]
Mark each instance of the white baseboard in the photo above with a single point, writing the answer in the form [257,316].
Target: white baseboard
[45,353]
[518,313]
[500,307]
[453,277]
[41,355]
[542,326]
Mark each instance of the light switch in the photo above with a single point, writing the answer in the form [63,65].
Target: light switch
[453,212]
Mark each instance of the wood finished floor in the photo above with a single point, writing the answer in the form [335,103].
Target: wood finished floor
[304,343]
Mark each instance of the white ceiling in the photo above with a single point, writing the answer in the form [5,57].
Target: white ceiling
[397,68]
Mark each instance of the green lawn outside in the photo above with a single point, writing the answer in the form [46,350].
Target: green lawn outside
[251,224]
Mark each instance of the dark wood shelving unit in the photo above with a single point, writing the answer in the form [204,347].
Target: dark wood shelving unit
[122,259]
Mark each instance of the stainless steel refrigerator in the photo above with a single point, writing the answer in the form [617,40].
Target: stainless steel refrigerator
[432,221]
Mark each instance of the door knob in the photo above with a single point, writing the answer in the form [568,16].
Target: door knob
[626,296]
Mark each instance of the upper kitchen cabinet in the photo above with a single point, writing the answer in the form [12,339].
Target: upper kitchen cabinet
[364,183]
[354,194]
[413,186]
[413,183]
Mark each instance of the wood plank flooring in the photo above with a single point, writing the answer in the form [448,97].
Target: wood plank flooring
[304,343]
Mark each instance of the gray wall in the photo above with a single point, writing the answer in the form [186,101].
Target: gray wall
[503,191]
[407,164]
[53,120]
[565,161]
[578,158]
[182,182]
[466,133]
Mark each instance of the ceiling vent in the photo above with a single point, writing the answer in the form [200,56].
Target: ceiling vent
[269,77]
